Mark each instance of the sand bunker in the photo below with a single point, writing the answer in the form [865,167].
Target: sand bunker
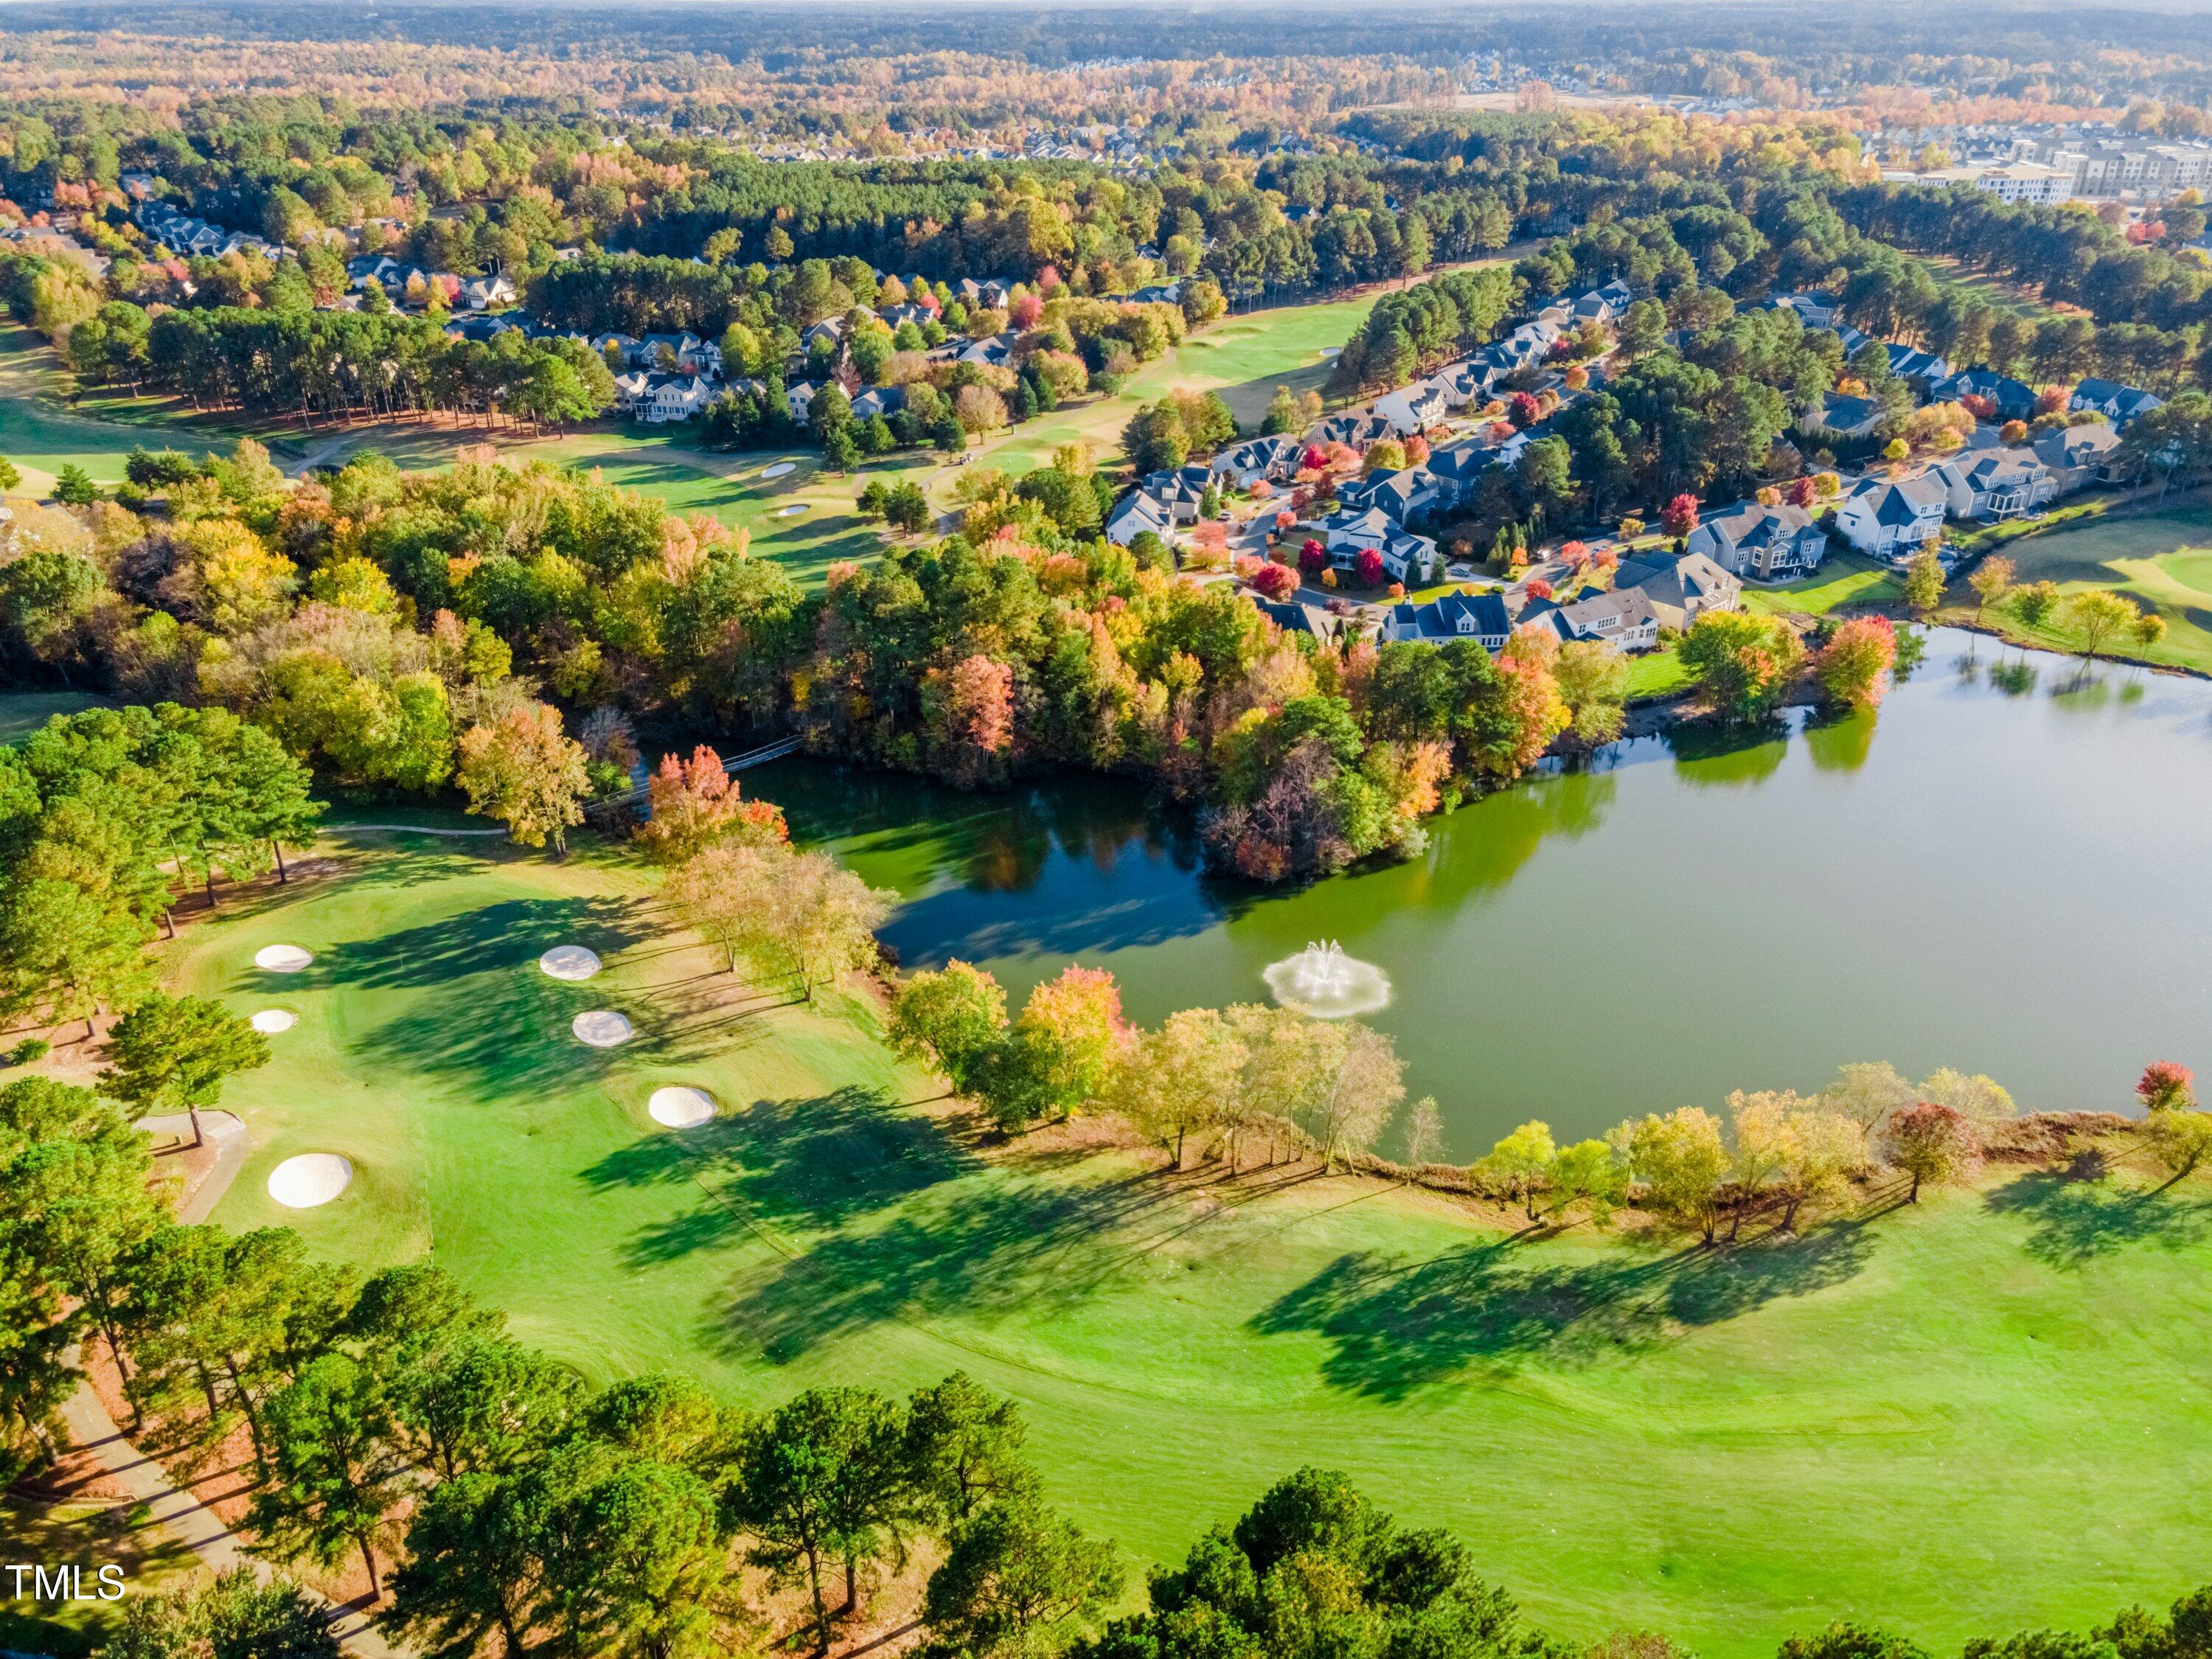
[269,1021]
[795,508]
[312,1178]
[281,958]
[602,1028]
[681,1108]
[570,962]
[778,469]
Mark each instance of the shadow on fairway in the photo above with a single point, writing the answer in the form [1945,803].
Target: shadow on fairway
[1397,1328]
[504,938]
[2072,1222]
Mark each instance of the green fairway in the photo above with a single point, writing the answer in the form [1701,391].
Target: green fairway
[2163,560]
[22,712]
[1955,1418]
[1244,357]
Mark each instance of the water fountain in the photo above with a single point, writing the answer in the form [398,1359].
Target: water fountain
[1323,981]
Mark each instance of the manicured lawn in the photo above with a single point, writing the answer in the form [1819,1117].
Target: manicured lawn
[1957,1419]
[90,1532]
[1657,674]
[2163,560]
[1843,578]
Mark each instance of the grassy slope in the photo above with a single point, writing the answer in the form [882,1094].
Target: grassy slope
[1843,578]
[1980,1411]
[2161,560]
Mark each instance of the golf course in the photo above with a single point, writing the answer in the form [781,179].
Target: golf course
[804,518]
[1952,1418]
[2160,559]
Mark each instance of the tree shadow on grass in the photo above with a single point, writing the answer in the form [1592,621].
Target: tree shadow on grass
[507,937]
[799,1165]
[973,1251]
[1398,1327]
[2073,1221]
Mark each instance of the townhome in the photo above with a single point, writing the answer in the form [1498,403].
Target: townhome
[1884,517]
[1479,617]
[2076,457]
[1624,619]
[1681,586]
[2120,405]
[1769,544]
[1995,484]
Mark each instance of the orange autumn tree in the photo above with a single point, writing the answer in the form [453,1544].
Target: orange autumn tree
[696,803]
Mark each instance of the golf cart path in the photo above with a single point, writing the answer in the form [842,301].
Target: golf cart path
[169,1505]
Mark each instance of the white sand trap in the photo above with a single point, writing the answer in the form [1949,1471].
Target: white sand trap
[792,511]
[779,469]
[602,1028]
[681,1108]
[312,1178]
[283,959]
[269,1021]
[570,962]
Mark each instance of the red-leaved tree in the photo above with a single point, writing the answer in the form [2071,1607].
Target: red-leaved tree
[2167,1085]
[1313,557]
[1679,516]
[1369,568]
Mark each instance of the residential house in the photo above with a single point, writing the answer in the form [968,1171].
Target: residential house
[883,400]
[1295,616]
[908,313]
[1355,427]
[1406,493]
[1769,544]
[1602,305]
[1681,586]
[1479,617]
[831,329]
[1346,535]
[2120,405]
[632,387]
[1624,618]
[1815,310]
[483,293]
[798,400]
[1843,417]
[1159,294]
[624,345]
[1995,484]
[674,397]
[1462,383]
[1135,514]
[1274,458]
[1885,517]
[2013,400]
[1181,491]
[994,350]
[2076,457]
[690,354]
[1413,409]
[1921,370]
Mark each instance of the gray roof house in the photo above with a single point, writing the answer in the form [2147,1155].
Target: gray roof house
[1405,493]
[1414,407]
[1478,616]
[1602,305]
[1681,586]
[1624,618]
[1772,543]
[1816,310]
[1135,514]
[2118,403]
[885,400]
[1995,484]
[1917,369]
[2078,456]
[1356,428]
[1180,490]
[2014,399]
[1884,517]
[1847,417]
[1274,457]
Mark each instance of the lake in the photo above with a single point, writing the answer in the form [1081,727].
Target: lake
[2008,869]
